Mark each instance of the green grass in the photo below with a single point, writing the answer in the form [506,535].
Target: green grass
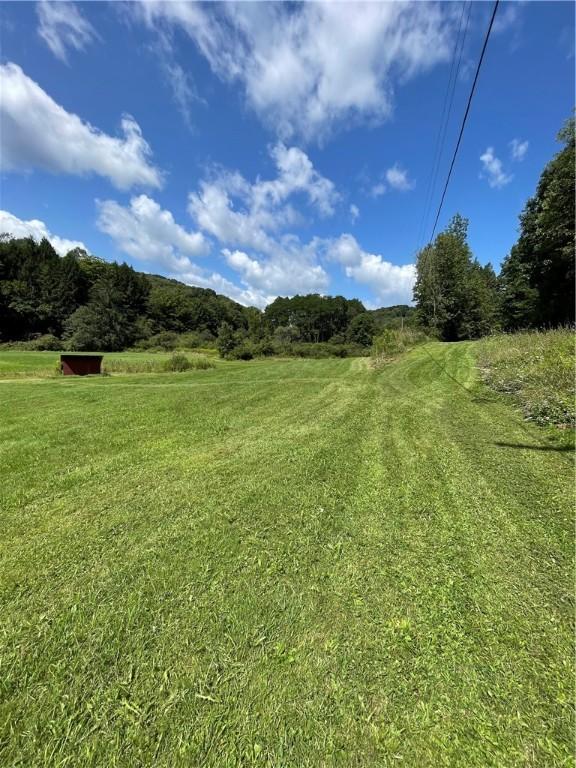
[24,364]
[537,369]
[283,563]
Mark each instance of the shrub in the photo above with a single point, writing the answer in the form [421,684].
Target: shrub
[48,342]
[177,362]
[166,340]
[264,348]
[243,351]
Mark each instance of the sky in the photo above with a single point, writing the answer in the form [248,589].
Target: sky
[268,149]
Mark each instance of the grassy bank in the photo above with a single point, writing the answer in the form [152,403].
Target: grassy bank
[536,368]
[283,563]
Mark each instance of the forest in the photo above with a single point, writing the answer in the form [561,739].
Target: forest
[81,302]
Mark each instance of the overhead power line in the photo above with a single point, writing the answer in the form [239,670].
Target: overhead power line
[470,97]
[445,119]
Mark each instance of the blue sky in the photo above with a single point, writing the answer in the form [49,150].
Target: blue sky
[273,149]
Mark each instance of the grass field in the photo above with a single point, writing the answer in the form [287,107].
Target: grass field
[284,563]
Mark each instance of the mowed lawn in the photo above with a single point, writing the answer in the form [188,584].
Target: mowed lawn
[284,563]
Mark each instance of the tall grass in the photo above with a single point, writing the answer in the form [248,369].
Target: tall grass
[537,369]
[393,342]
[176,362]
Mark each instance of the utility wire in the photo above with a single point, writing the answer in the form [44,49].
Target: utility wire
[470,97]
[444,120]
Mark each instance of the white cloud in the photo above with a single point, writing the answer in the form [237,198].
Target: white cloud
[253,217]
[398,179]
[203,278]
[389,282]
[62,26]
[354,213]
[264,206]
[292,270]
[38,133]
[518,149]
[148,233]
[507,17]
[36,229]
[493,171]
[306,68]
[378,190]
[176,77]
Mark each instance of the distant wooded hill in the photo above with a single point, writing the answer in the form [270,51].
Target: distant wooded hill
[83,302]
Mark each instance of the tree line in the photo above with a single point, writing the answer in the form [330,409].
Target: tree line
[81,302]
[457,298]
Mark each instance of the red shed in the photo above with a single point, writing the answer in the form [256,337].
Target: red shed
[80,365]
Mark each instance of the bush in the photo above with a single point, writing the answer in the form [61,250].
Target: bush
[243,351]
[166,340]
[177,362]
[264,348]
[48,342]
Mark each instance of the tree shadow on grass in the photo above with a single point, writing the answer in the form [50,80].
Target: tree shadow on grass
[532,447]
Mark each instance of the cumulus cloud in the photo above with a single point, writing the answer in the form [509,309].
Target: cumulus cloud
[389,282]
[37,229]
[394,178]
[493,171]
[306,68]
[250,220]
[354,213]
[146,232]
[264,206]
[62,26]
[294,269]
[398,179]
[38,133]
[518,149]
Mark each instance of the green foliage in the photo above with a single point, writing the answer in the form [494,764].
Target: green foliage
[398,316]
[98,305]
[391,343]
[227,340]
[456,298]
[177,362]
[110,319]
[362,329]
[47,342]
[537,369]
[537,278]
[315,318]
[243,350]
